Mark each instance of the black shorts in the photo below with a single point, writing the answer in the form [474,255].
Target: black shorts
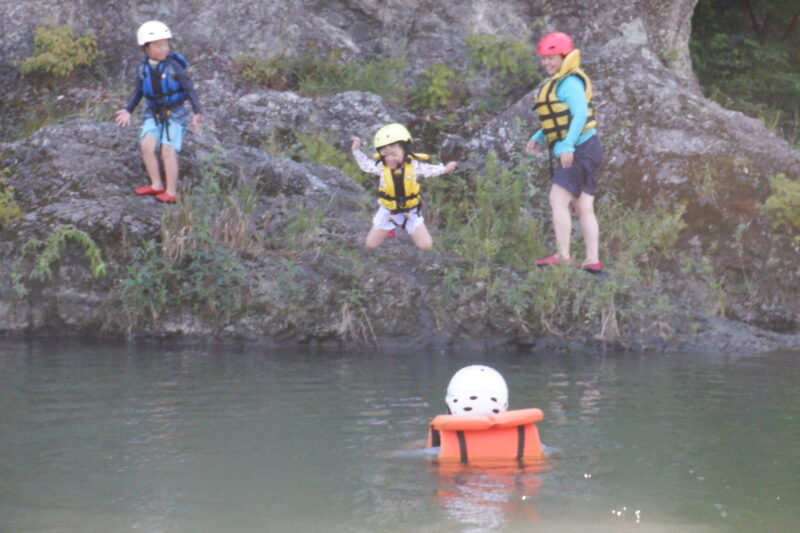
[582,175]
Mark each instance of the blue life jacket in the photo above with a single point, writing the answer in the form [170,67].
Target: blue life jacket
[166,92]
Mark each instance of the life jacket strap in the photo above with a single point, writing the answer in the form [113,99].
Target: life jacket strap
[462,445]
[400,200]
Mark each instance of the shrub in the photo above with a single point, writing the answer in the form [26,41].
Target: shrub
[509,64]
[317,149]
[493,226]
[511,61]
[783,205]
[9,209]
[49,251]
[438,89]
[318,73]
[59,52]
[273,73]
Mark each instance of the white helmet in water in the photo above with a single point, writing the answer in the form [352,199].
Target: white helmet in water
[477,390]
[152,30]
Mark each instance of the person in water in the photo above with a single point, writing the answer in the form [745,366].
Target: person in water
[479,426]
[477,390]
[399,191]
[569,130]
[161,78]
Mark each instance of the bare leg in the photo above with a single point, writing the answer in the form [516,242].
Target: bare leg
[151,161]
[170,159]
[422,238]
[375,237]
[560,199]
[589,227]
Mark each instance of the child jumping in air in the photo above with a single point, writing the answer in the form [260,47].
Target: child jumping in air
[569,129]
[161,79]
[399,191]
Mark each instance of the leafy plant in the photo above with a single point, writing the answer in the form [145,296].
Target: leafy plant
[274,73]
[317,149]
[59,52]
[437,89]
[9,209]
[783,205]
[49,251]
[144,289]
[745,57]
[318,73]
[492,224]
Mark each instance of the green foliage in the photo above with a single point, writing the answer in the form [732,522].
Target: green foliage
[317,149]
[492,225]
[59,52]
[509,64]
[439,88]
[783,205]
[196,264]
[511,61]
[639,239]
[747,64]
[304,230]
[49,251]
[273,73]
[143,289]
[9,209]
[317,73]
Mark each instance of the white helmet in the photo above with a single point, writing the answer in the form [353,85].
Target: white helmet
[477,390]
[152,30]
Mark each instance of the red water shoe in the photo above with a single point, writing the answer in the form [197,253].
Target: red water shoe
[147,190]
[391,235]
[594,268]
[166,198]
[553,260]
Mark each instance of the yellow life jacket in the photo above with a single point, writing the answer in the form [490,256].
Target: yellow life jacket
[553,113]
[399,191]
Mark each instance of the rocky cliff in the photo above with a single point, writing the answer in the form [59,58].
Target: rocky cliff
[666,146]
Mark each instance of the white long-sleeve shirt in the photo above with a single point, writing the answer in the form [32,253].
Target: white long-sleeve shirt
[424,170]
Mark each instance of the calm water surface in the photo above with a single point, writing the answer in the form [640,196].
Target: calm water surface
[113,439]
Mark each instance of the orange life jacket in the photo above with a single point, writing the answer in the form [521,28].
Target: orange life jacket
[509,435]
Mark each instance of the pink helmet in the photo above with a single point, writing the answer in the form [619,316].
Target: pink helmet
[555,43]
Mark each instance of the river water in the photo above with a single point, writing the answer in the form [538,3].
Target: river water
[105,438]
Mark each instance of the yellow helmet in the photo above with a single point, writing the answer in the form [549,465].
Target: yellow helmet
[390,134]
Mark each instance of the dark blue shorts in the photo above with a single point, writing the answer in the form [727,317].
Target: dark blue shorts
[582,175]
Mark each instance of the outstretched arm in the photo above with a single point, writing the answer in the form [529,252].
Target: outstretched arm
[365,163]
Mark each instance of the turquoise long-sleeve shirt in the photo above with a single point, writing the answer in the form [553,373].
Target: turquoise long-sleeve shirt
[571,91]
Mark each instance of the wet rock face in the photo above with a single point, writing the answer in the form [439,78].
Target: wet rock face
[665,143]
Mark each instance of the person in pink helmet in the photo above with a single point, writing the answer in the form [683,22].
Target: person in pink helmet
[569,129]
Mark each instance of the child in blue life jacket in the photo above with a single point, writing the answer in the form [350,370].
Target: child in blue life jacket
[564,106]
[161,78]
[399,191]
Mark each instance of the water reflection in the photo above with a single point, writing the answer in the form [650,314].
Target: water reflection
[488,497]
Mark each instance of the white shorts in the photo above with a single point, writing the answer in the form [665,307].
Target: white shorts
[384,220]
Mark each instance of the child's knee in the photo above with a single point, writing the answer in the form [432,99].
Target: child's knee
[148,145]
[168,153]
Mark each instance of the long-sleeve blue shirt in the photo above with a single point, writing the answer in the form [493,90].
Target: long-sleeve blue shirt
[572,92]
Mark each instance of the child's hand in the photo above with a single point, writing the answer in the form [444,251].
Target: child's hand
[449,167]
[532,147]
[196,119]
[123,118]
[566,159]
[356,143]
